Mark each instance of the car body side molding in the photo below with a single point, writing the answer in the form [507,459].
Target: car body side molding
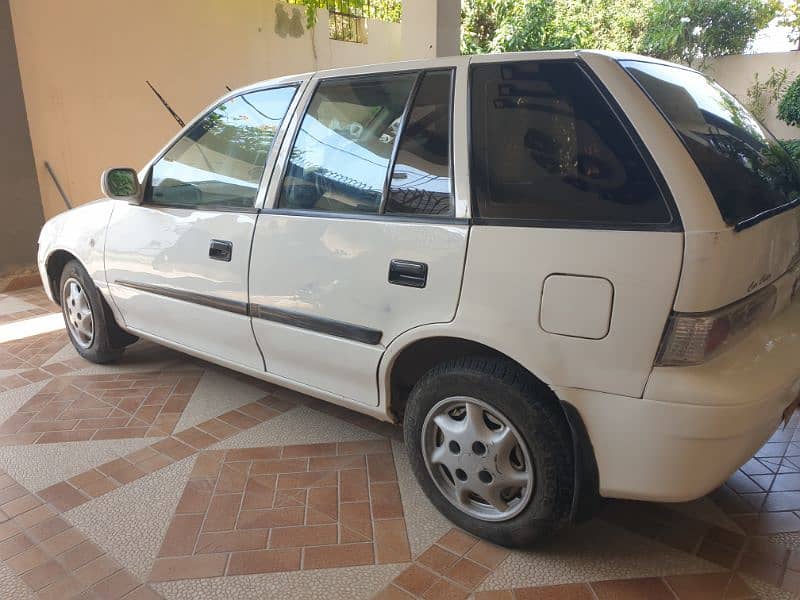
[341,329]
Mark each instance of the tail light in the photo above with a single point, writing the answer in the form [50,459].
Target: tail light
[694,338]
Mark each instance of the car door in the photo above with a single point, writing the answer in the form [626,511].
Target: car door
[177,264]
[361,239]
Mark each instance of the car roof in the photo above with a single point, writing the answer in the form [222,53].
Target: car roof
[428,63]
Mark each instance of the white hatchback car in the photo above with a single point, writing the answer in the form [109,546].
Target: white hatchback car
[568,273]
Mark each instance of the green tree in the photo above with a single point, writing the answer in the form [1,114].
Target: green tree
[513,25]
[790,17]
[693,31]
[690,31]
[480,20]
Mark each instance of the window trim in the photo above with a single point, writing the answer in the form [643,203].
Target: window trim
[271,154]
[288,144]
[674,225]
[387,179]
[451,157]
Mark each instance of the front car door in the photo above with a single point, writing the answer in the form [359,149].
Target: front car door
[177,264]
[361,239]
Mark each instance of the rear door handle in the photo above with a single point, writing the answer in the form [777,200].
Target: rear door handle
[220,250]
[408,272]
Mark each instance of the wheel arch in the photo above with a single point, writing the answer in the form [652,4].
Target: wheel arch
[54,266]
[407,364]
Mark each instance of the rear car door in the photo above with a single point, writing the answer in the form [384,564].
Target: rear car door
[177,264]
[360,241]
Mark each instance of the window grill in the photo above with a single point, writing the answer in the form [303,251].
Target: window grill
[347,20]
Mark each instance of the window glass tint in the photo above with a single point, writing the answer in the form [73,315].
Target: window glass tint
[546,146]
[746,169]
[342,151]
[420,181]
[220,161]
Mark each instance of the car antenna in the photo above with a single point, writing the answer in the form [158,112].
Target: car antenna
[166,105]
[58,185]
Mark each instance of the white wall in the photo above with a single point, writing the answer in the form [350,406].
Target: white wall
[736,73]
[83,66]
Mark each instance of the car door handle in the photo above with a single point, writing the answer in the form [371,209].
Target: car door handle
[220,250]
[408,272]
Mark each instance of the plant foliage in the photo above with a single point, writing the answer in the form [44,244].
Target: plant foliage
[793,148]
[383,10]
[763,94]
[690,31]
[789,106]
[790,17]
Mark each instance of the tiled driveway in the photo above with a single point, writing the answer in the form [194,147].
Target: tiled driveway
[164,476]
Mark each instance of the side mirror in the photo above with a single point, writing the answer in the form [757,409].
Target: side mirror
[121,183]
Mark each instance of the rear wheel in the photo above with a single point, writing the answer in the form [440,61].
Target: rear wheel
[90,324]
[491,449]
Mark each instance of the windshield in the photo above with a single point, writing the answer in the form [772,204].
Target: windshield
[747,170]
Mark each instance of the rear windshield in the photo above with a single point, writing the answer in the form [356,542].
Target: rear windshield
[748,172]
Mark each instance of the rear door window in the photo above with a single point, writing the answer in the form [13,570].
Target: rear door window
[343,149]
[547,148]
[747,170]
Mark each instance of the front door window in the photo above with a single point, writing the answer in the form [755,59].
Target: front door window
[220,160]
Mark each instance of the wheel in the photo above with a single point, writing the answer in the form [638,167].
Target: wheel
[491,449]
[90,324]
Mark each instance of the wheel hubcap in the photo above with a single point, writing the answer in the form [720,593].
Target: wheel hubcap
[78,312]
[477,458]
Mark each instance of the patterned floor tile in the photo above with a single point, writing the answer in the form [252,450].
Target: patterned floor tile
[248,490]
[101,407]
[286,508]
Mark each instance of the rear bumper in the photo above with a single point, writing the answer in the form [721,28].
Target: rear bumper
[695,425]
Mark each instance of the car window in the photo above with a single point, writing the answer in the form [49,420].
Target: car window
[220,160]
[342,151]
[420,181]
[747,170]
[547,147]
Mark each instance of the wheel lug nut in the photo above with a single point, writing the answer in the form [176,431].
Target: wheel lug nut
[479,448]
[485,476]
[461,474]
[454,447]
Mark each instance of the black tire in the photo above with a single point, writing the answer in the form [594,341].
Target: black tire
[535,413]
[108,340]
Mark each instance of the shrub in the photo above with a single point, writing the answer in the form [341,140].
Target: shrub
[793,148]
[763,94]
[789,106]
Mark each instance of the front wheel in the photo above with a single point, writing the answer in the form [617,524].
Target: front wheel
[91,328]
[491,449]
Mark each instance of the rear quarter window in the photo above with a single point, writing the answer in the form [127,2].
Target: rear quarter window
[747,171]
[547,148]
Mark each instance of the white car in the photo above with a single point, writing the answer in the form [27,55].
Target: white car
[567,273]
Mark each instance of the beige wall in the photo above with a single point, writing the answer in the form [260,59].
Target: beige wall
[736,73]
[22,212]
[431,28]
[84,65]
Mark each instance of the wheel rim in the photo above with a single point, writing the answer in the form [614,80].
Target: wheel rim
[78,312]
[477,459]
